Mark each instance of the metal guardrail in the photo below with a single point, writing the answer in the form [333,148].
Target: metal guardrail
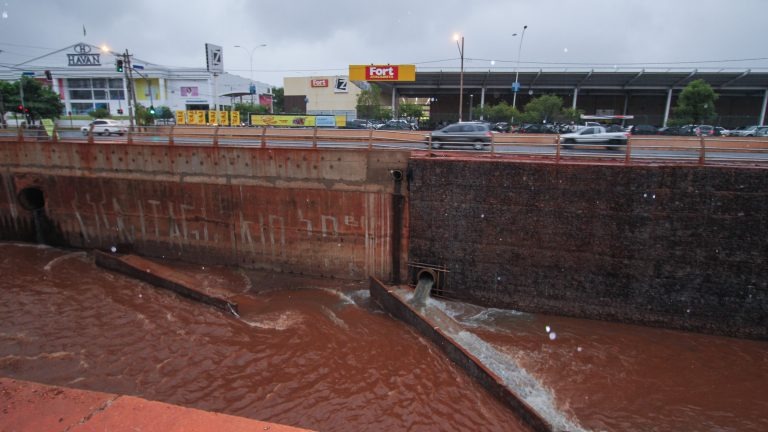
[638,149]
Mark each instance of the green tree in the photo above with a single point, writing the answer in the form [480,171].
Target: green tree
[571,115]
[369,103]
[164,113]
[696,103]
[544,108]
[278,99]
[99,113]
[501,112]
[247,108]
[411,111]
[41,101]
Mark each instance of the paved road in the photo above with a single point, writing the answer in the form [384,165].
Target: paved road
[585,152]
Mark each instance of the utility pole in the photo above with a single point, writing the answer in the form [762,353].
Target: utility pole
[3,125]
[131,96]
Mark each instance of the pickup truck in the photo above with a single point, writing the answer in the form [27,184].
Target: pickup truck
[594,135]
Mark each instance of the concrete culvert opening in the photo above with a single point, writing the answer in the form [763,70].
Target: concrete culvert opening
[396,174]
[31,199]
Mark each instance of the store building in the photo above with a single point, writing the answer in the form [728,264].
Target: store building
[87,78]
[321,95]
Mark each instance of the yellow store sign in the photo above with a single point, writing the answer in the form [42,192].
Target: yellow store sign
[382,72]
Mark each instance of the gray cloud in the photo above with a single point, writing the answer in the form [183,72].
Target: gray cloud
[317,38]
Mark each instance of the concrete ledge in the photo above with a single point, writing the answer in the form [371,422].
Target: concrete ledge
[33,407]
[161,276]
[438,327]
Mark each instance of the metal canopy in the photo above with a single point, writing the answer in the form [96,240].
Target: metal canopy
[428,83]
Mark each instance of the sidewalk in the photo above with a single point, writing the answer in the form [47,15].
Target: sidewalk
[30,407]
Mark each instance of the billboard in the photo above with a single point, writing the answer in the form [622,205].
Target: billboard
[298,120]
[266,100]
[382,72]
[189,91]
[214,58]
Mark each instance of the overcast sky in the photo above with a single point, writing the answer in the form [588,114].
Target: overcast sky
[306,38]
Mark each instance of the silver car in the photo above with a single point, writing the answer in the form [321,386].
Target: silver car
[104,127]
[476,134]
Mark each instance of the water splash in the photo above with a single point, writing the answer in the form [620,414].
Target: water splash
[57,260]
[423,288]
[282,321]
[334,318]
[517,378]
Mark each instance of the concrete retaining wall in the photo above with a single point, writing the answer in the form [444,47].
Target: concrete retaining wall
[675,246]
[326,213]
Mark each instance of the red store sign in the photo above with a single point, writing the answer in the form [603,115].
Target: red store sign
[319,83]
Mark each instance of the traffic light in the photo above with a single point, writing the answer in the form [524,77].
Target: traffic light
[152,109]
[119,110]
[48,75]
[119,65]
[20,108]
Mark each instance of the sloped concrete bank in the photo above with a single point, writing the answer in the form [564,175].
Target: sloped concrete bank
[498,374]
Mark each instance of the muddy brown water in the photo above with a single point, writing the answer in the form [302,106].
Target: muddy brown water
[317,354]
[310,357]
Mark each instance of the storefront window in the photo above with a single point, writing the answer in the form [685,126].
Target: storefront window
[116,94]
[99,94]
[115,83]
[81,108]
[99,83]
[79,83]
[80,94]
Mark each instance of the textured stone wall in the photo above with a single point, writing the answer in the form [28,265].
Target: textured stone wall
[326,213]
[675,246]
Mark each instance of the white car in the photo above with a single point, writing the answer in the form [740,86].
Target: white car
[594,135]
[105,127]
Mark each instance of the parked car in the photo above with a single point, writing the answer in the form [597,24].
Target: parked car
[476,134]
[669,130]
[398,124]
[536,128]
[643,129]
[762,131]
[105,127]
[688,130]
[395,126]
[745,132]
[721,131]
[359,124]
[704,130]
[501,127]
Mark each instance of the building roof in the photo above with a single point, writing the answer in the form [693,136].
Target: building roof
[448,81]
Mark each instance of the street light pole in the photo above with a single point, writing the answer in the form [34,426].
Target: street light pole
[461,74]
[517,69]
[251,61]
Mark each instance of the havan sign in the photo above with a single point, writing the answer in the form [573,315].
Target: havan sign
[83,56]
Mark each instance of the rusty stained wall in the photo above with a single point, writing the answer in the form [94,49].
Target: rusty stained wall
[674,246]
[316,212]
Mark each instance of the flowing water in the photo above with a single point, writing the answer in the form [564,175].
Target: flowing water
[317,354]
[313,357]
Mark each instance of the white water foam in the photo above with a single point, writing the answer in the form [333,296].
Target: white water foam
[334,318]
[349,297]
[276,321]
[55,261]
[518,379]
